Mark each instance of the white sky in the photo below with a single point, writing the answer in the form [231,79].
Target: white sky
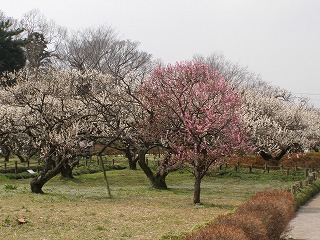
[278,39]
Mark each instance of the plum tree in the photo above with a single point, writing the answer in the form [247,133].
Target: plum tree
[196,113]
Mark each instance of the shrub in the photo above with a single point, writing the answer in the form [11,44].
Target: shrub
[265,217]
[282,198]
[10,187]
[306,193]
[274,211]
[3,178]
[251,225]
[218,232]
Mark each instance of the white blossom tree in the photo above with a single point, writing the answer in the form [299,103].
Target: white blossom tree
[279,126]
[48,112]
[276,120]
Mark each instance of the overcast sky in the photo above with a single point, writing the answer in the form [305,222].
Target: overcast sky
[278,39]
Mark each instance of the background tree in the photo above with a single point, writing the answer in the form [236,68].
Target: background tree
[36,51]
[99,49]
[44,39]
[241,78]
[277,126]
[12,56]
[277,122]
[85,50]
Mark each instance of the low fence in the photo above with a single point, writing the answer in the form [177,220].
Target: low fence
[17,167]
[311,173]
[34,166]
[267,168]
[311,177]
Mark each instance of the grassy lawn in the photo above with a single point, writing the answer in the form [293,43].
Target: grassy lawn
[80,209]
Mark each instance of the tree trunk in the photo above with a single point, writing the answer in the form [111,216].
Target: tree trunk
[274,160]
[37,183]
[197,188]
[7,157]
[281,154]
[21,158]
[132,161]
[66,171]
[5,153]
[50,170]
[160,180]
[157,181]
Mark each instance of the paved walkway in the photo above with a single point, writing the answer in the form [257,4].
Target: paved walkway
[306,224]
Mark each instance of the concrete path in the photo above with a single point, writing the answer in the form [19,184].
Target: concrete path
[306,224]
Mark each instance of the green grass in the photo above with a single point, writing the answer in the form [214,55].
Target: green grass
[80,208]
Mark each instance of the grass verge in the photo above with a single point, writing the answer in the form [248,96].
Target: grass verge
[79,208]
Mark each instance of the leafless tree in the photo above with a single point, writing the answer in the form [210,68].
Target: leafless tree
[45,37]
[242,78]
[99,49]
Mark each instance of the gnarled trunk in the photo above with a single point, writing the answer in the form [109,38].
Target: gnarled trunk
[50,170]
[274,160]
[68,166]
[131,159]
[37,183]
[21,158]
[158,180]
[66,171]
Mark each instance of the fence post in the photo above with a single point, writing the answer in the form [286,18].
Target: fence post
[16,167]
[112,161]
[250,168]
[5,166]
[28,163]
[236,167]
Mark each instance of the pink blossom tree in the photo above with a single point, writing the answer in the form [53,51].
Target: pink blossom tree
[196,114]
